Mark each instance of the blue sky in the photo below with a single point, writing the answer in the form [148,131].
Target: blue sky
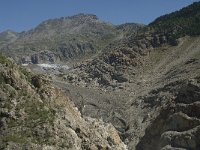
[20,15]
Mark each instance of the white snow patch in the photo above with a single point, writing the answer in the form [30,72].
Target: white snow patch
[53,66]
[24,64]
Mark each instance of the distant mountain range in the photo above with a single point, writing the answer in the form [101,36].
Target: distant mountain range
[63,39]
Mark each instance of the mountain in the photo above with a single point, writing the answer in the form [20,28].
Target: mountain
[36,115]
[7,37]
[129,51]
[63,39]
[144,80]
[146,84]
[130,28]
[180,23]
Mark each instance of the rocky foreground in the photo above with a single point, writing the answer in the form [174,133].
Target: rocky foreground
[36,115]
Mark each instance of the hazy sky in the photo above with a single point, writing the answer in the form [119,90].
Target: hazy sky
[22,15]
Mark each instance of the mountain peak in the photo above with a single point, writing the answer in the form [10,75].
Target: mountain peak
[83,16]
[69,22]
[79,17]
[8,31]
[8,35]
[186,21]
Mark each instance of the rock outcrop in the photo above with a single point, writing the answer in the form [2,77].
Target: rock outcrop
[177,125]
[40,58]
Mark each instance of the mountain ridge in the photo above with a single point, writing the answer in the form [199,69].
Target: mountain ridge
[67,38]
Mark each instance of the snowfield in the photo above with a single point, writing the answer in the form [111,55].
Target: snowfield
[53,66]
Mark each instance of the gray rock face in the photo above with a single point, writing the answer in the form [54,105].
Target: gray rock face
[178,124]
[39,58]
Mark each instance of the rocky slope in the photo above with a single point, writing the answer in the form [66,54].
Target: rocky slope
[127,53]
[180,23]
[36,115]
[64,39]
[177,125]
[166,79]
[146,85]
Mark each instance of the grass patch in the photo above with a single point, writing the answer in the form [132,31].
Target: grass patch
[15,138]
[4,60]
[2,79]
[28,75]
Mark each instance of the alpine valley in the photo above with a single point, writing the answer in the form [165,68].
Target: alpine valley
[79,83]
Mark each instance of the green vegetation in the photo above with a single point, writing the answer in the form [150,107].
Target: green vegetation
[105,40]
[180,23]
[28,75]
[2,79]
[37,115]
[5,61]
[25,112]
[15,138]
